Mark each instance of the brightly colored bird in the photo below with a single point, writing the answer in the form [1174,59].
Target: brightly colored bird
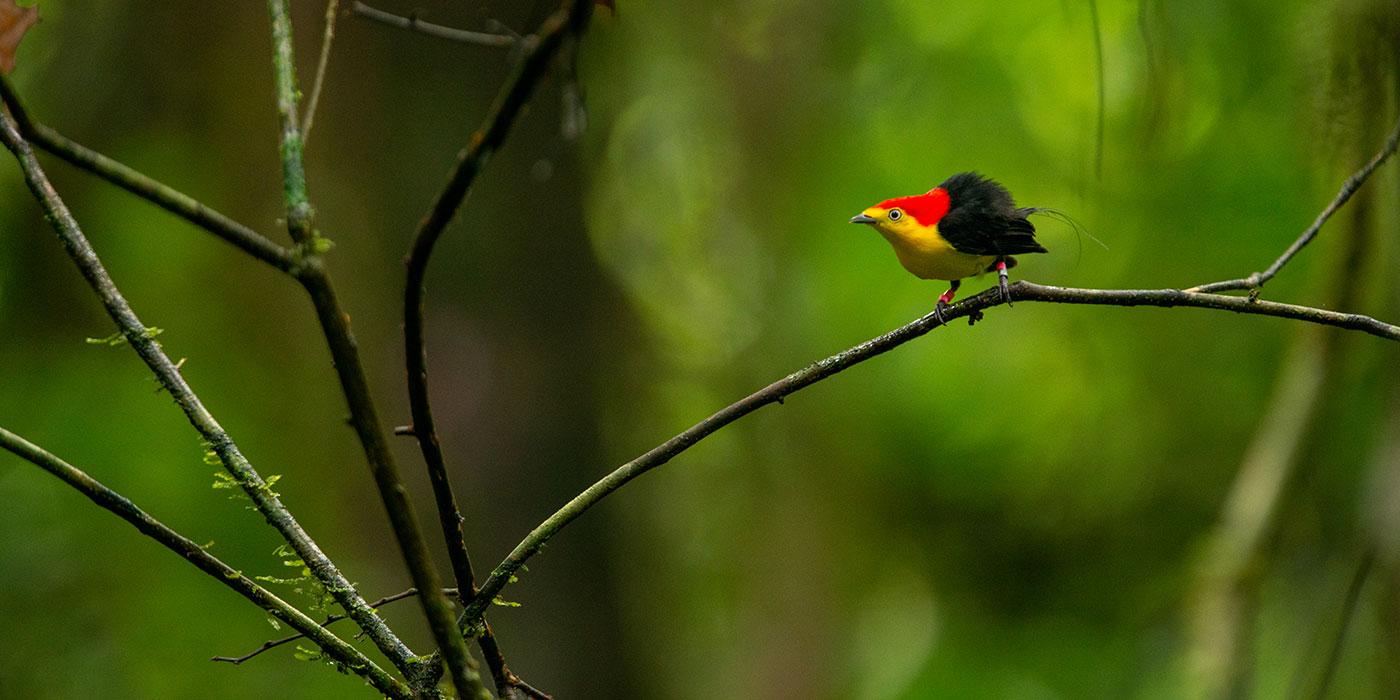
[964,227]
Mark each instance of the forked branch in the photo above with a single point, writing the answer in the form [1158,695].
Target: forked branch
[1349,188]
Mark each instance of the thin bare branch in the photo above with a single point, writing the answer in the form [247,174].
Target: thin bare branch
[414,24]
[334,647]
[158,193]
[327,37]
[517,91]
[1349,188]
[330,619]
[570,20]
[971,307]
[1099,87]
[1350,603]
[168,373]
[335,324]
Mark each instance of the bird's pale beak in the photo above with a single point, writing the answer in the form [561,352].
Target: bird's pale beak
[861,219]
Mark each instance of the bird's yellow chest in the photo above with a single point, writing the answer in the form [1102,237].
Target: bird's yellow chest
[926,254]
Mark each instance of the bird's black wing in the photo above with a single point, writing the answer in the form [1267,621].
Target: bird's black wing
[982,219]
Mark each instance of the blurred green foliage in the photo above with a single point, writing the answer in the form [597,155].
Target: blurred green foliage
[1017,510]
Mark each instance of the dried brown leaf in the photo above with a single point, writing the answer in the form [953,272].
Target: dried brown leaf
[14,22]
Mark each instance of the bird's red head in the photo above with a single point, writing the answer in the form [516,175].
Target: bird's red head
[926,208]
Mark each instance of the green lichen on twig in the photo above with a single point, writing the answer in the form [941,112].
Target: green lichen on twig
[119,339]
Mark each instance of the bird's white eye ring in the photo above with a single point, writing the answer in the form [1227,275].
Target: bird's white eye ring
[896,215]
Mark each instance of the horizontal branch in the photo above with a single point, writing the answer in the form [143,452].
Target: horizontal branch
[334,647]
[145,187]
[414,24]
[1348,189]
[971,307]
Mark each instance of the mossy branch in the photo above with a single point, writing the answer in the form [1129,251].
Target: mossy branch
[168,374]
[347,656]
[335,324]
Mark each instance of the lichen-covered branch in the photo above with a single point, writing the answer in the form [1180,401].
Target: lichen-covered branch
[336,648]
[168,374]
[335,324]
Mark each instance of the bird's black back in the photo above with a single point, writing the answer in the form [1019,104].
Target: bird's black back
[982,219]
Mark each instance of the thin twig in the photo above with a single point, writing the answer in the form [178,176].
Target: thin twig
[334,647]
[971,307]
[1098,64]
[1349,605]
[414,24]
[335,324]
[330,620]
[1349,188]
[168,373]
[160,194]
[314,100]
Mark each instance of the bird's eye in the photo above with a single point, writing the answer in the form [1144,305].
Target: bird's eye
[896,215]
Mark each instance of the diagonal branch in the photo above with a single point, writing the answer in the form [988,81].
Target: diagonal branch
[971,307]
[1349,188]
[141,340]
[335,324]
[160,194]
[413,24]
[336,648]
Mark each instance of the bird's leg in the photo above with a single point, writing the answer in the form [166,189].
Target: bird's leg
[944,298]
[1002,283]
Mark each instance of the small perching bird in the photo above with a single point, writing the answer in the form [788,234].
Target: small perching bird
[964,227]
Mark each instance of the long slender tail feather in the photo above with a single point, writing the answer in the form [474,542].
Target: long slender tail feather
[1063,218]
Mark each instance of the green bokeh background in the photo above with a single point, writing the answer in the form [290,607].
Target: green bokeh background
[1018,510]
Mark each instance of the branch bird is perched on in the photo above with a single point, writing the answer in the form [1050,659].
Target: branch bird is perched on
[964,227]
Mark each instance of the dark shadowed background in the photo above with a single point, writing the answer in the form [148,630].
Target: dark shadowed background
[1025,509]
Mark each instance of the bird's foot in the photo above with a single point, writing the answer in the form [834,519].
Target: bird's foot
[943,300]
[1002,283]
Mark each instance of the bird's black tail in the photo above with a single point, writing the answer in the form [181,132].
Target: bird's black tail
[1020,234]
